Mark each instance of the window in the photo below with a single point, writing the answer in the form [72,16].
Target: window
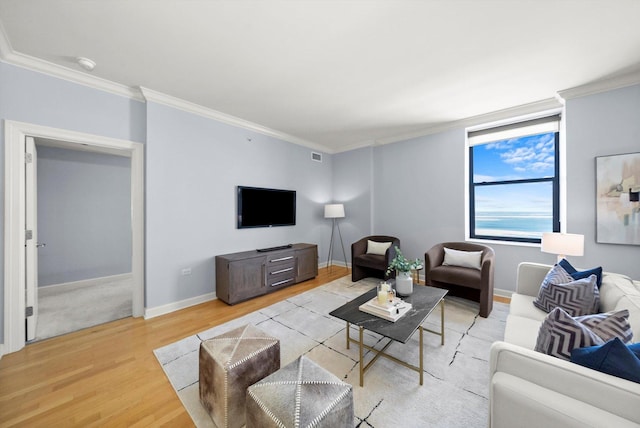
[514,181]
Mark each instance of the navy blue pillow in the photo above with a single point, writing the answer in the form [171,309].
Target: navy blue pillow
[582,274]
[614,358]
[635,348]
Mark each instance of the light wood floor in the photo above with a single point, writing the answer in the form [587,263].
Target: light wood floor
[107,375]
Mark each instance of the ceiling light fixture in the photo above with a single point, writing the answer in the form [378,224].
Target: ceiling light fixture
[86,63]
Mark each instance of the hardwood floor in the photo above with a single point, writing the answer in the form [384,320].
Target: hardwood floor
[107,375]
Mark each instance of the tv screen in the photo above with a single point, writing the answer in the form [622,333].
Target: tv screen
[258,207]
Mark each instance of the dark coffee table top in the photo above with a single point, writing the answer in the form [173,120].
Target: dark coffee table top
[424,299]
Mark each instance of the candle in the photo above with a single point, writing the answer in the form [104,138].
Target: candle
[382,297]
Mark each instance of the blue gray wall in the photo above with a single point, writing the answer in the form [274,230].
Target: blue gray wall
[84,215]
[418,185]
[193,167]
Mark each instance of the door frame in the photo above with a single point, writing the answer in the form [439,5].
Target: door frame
[14,216]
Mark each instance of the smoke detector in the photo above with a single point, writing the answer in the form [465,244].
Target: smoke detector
[86,63]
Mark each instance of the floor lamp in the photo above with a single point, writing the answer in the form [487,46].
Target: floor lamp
[334,212]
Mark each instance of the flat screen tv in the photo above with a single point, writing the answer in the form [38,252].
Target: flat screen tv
[259,207]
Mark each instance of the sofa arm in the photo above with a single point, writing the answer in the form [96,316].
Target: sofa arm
[525,382]
[530,276]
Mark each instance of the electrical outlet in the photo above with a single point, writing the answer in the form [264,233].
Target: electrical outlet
[186,271]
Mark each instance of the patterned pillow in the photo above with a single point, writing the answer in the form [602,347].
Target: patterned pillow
[560,333]
[558,289]
[575,274]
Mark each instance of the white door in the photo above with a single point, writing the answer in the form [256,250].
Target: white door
[31,242]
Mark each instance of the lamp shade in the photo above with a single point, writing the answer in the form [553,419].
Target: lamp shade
[334,211]
[566,244]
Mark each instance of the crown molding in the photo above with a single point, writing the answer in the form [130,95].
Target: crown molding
[596,87]
[508,113]
[70,75]
[189,107]
[9,56]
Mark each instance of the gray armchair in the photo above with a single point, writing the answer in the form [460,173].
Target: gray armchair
[365,265]
[464,282]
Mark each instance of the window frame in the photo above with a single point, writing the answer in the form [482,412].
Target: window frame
[554,180]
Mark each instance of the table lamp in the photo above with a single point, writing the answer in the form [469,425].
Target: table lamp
[562,244]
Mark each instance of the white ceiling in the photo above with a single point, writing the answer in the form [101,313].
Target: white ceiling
[335,74]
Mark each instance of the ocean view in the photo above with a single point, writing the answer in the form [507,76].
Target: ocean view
[521,224]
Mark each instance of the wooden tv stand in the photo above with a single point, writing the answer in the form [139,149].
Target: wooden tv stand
[242,276]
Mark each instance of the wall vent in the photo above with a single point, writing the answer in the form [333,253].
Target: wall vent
[316,156]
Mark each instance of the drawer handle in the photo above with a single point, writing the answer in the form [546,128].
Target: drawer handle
[281,259]
[275,284]
[281,271]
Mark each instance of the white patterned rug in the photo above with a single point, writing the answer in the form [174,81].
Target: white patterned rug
[456,382]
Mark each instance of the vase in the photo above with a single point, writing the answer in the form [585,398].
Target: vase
[404,283]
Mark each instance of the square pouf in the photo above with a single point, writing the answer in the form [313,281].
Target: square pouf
[301,394]
[229,363]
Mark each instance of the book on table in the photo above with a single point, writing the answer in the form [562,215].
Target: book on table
[391,311]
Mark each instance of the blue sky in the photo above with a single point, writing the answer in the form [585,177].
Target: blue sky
[514,159]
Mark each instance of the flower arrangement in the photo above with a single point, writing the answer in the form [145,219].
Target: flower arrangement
[401,264]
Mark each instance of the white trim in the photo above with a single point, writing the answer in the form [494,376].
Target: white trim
[14,257]
[610,84]
[90,281]
[506,114]
[503,293]
[189,107]
[176,306]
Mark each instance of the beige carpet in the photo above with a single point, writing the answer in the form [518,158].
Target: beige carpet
[66,308]
[455,391]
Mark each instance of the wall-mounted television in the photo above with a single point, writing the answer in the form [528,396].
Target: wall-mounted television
[260,207]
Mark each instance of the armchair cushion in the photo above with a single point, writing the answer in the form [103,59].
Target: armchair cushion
[469,259]
[377,248]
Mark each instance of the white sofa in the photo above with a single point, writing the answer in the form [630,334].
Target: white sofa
[531,389]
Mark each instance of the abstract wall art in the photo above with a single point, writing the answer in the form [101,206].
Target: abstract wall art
[618,207]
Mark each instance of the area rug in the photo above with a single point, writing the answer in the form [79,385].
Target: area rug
[456,382]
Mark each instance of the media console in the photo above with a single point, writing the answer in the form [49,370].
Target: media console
[242,276]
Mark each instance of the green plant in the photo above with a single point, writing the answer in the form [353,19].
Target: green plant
[401,264]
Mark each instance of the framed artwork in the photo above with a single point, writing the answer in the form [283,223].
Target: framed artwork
[618,208]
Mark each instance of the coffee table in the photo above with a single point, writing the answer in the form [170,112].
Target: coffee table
[424,300]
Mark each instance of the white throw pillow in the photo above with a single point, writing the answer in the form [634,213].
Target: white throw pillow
[468,259]
[377,248]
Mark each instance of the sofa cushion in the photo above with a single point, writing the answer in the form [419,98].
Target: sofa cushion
[560,333]
[577,298]
[575,274]
[620,292]
[614,358]
[377,248]
[522,305]
[468,259]
[522,331]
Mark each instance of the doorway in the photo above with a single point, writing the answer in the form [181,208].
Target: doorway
[83,238]
[15,256]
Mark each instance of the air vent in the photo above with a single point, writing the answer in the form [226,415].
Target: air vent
[316,156]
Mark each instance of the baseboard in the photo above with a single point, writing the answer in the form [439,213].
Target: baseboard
[176,306]
[1,350]
[503,293]
[92,281]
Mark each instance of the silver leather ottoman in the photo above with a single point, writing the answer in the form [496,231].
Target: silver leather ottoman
[301,394]
[229,363]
